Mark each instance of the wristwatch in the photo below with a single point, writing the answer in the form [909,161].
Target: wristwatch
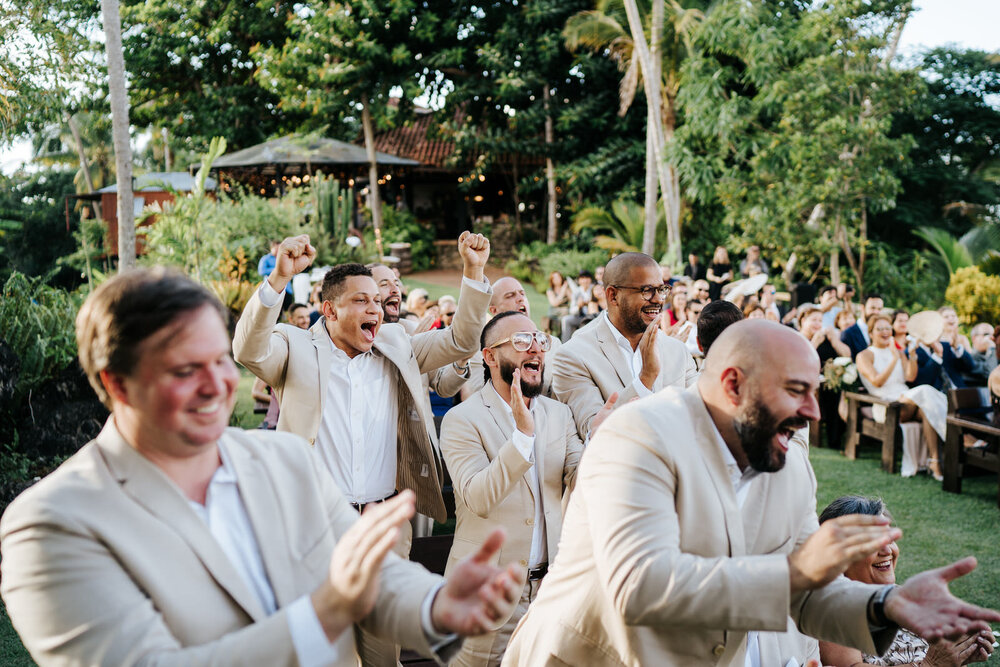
[463,371]
[876,607]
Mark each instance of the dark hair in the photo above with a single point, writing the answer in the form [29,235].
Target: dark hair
[845,505]
[585,274]
[295,306]
[872,295]
[484,336]
[125,311]
[714,319]
[333,281]
[827,288]
[896,313]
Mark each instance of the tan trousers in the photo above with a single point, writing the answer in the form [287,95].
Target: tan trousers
[487,650]
[375,651]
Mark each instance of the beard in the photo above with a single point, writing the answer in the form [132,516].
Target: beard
[632,318]
[389,319]
[756,427]
[528,389]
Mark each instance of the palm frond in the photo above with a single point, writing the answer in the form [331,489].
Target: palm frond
[952,252]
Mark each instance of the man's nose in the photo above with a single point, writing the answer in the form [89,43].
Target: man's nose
[811,408]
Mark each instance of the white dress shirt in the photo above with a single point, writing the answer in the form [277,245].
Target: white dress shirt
[633,358]
[226,517]
[525,445]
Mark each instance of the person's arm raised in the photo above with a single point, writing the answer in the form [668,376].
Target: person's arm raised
[295,255]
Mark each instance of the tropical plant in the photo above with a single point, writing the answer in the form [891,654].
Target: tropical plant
[973,247]
[975,295]
[623,227]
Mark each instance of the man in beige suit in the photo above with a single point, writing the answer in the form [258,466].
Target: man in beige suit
[512,455]
[508,295]
[693,524]
[326,378]
[174,540]
[622,351]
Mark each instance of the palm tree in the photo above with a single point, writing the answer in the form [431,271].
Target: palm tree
[607,29]
[974,247]
[624,228]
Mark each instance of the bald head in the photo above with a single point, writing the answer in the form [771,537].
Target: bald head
[619,270]
[508,294]
[756,346]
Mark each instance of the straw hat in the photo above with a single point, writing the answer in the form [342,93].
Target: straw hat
[926,326]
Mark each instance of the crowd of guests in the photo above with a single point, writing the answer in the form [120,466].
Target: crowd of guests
[648,465]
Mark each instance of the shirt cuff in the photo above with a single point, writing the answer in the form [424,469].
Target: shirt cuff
[268,297]
[434,638]
[482,286]
[312,648]
[641,390]
[524,444]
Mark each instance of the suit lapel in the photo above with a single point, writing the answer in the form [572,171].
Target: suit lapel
[504,421]
[261,504]
[705,441]
[614,354]
[148,486]
[321,341]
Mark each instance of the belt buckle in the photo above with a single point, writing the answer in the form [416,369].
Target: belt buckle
[537,573]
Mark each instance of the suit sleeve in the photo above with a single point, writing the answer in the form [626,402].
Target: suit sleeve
[439,347]
[446,381]
[69,598]
[479,482]
[260,345]
[573,384]
[574,451]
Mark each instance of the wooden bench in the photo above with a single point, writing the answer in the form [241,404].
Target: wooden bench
[861,422]
[956,459]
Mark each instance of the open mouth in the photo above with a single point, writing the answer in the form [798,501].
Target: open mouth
[883,566]
[209,409]
[368,330]
[523,309]
[391,305]
[650,312]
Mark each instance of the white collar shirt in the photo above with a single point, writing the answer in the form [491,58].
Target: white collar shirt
[525,445]
[632,358]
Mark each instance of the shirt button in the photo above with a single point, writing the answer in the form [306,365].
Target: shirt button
[523,562]
[719,650]
[529,522]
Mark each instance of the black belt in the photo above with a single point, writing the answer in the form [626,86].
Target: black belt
[360,507]
[536,573]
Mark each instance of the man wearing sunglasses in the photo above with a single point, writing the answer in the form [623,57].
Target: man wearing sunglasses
[512,455]
[623,350]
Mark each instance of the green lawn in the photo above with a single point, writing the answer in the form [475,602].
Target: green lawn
[937,527]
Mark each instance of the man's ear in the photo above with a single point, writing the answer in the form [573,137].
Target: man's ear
[610,294]
[114,384]
[733,380]
[489,357]
[328,310]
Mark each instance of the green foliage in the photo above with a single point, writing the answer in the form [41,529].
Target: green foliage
[37,322]
[403,227]
[975,295]
[624,226]
[536,260]
[905,278]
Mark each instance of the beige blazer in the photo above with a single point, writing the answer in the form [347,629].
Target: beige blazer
[295,363]
[591,366]
[659,566]
[490,477]
[106,563]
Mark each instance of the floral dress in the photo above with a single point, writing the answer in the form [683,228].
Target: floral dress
[906,648]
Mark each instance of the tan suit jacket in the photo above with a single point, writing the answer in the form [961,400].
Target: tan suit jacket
[106,563]
[591,366]
[296,362]
[659,566]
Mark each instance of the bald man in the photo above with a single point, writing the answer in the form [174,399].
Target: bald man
[693,526]
[508,295]
[622,351]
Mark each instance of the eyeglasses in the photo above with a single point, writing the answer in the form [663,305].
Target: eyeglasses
[647,290]
[521,341]
[451,314]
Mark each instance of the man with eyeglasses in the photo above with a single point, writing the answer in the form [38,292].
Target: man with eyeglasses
[623,350]
[512,455]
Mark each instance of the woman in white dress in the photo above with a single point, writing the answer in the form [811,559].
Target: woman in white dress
[885,371]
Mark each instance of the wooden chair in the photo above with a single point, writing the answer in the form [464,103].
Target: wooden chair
[965,410]
[861,422]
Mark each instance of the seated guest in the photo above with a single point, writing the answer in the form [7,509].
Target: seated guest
[720,272]
[843,321]
[829,305]
[907,649]
[754,312]
[675,313]
[826,342]
[172,539]
[622,351]
[752,264]
[558,294]
[900,329]
[694,269]
[416,304]
[580,296]
[446,310]
[700,291]
[857,336]
[512,453]
[983,354]
[884,371]
[691,314]
[715,318]
[955,358]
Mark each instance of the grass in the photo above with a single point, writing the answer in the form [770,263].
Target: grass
[938,527]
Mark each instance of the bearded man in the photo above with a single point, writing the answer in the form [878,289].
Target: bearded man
[692,526]
[512,455]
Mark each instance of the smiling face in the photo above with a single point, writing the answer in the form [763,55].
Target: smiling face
[354,318]
[812,323]
[900,324]
[181,391]
[879,568]
[504,359]
[950,319]
[390,290]
[881,333]
[628,310]
[508,294]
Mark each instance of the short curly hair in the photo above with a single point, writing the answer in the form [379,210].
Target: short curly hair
[333,281]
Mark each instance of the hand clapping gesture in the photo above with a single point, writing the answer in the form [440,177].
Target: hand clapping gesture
[650,355]
[523,419]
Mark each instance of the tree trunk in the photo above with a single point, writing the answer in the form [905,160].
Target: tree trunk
[652,86]
[166,149]
[672,198]
[651,217]
[835,266]
[550,171]
[374,200]
[120,132]
[84,162]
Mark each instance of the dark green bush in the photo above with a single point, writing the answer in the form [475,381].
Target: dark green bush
[402,227]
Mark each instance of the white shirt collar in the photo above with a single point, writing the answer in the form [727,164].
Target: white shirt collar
[619,338]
